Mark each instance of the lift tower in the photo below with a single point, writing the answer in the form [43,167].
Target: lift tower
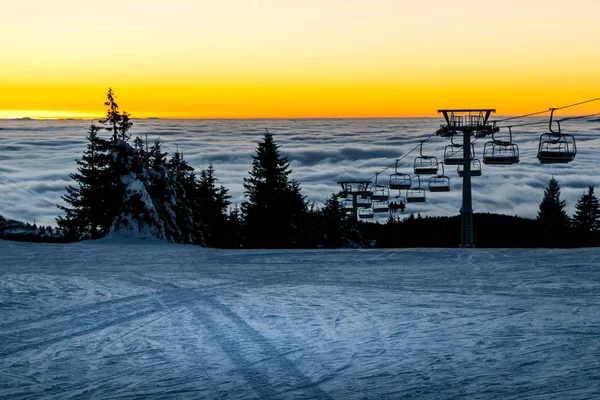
[470,123]
[359,191]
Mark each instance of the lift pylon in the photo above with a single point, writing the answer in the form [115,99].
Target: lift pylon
[470,123]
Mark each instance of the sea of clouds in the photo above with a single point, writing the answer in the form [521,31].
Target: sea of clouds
[37,156]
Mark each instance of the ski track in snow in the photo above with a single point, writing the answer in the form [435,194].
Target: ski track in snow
[110,320]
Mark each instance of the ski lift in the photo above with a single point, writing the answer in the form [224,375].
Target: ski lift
[498,152]
[425,165]
[475,168]
[454,153]
[380,192]
[347,204]
[400,181]
[380,206]
[416,195]
[439,183]
[365,213]
[556,147]
[397,203]
[363,201]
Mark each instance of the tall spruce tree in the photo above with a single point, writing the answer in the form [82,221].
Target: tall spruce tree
[587,213]
[183,180]
[275,209]
[211,208]
[552,217]
[86,215]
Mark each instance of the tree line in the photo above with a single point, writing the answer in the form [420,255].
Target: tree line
[132,188]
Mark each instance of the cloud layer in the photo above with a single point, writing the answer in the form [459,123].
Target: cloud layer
[39,155]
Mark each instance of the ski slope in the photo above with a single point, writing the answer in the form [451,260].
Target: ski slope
[110,320]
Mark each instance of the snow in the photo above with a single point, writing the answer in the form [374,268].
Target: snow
[138,319]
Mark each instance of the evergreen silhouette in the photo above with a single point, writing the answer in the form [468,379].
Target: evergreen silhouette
[587,213]
[274,212]
[86,214]
[211,208]
[552,217]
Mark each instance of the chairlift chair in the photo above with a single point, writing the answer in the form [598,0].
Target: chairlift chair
[366,213]
[425,165]
[363,201]
[439,183]
[556,147]
[454,153]
[498,152]
[380,192]
[416,195]
[347,204]
[475,168]
[400,181]
[397,203]
[380,206]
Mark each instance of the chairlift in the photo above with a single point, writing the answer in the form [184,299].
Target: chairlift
[454,153]
[363,201]
[380,192]
[416,195]
[425,165]
[347,204]
[380,206]
[439,183]
[366,213]
[400,181]
[397,203]
[498,152]
[475,168]
[556,147]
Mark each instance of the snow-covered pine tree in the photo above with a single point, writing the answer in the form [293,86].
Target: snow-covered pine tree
[587,213]
[132,209]
[86,214]
[162,192]
[275,208]
[551,215]
[210,209]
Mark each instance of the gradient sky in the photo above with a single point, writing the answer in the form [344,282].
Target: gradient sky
[305,58]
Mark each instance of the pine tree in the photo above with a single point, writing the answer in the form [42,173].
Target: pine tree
[275,208]
[86,213]
[552,217]
[335,223]
[211,208]
[162,191]
[183,180]
[587,214]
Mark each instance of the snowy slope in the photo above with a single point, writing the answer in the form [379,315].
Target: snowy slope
[110,320]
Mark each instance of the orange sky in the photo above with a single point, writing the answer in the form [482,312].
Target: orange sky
[305,58]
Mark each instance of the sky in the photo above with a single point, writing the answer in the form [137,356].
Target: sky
[288,58]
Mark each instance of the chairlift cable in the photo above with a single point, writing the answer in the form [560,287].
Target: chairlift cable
[577,104]
[28,192]
[403,157]
[521,116]
[581,116]
[545,111]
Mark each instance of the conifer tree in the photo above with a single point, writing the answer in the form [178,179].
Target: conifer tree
[551,215]
[211,208]
[275,208]
[587,212]
[335,223]
[86,214]
[184,184]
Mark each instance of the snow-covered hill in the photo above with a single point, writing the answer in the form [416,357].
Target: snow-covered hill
[108,320]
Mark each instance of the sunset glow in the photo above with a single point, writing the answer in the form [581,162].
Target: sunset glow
[284,58]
